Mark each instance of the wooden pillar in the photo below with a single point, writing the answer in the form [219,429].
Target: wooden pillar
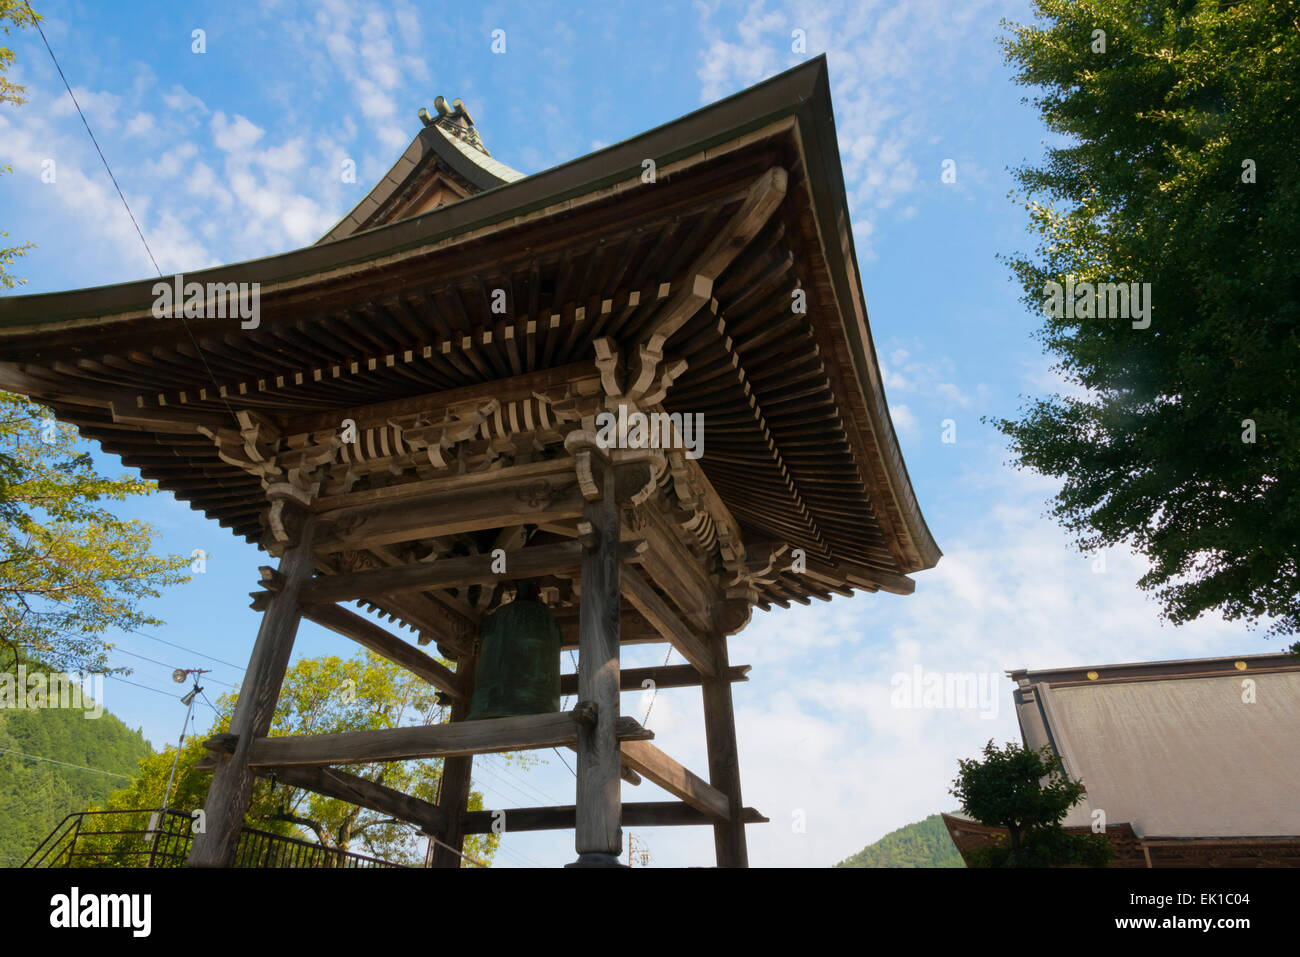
[453,792]
[599,836]
[724,760]
[232,781]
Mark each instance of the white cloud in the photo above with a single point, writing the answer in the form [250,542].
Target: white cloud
[141,124]
[183,101]
[234,135]
[904,421]
[882,59]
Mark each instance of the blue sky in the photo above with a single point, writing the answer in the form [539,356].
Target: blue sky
[236,153]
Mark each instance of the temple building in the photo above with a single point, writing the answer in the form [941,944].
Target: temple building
[1187,763]
[410,418]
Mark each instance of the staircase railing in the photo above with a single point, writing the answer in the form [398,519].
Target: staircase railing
[153,837]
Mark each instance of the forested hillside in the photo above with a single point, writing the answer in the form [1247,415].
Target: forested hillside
[35,792]
[923,844]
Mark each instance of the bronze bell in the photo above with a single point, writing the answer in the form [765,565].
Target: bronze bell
[519,660]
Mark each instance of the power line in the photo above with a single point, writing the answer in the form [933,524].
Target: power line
[138,231]
[190,650]
[166,665]
[86,123]
[566,763]
[138,685]
[79,767]
[524,782]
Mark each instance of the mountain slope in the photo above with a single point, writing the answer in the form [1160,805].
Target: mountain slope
[36,792]
[923,844]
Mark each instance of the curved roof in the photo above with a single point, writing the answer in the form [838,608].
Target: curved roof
[436,149]
[801,448]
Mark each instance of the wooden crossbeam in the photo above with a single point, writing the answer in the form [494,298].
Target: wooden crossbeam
[671,567]
[666,621]
[451,508]
[653,764]
[764,196]
[331,782]
[458,738]
[632,630]
[387,645]
[505,390]
[663,676]
[635,814]
[560,558]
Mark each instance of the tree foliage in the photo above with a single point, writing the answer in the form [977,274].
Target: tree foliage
[1177,166]
[69,569]
[53,762]
[1028,793]
[323,695]
[13,14]
[922,844]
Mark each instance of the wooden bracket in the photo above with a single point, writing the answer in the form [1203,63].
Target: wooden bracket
[585,713]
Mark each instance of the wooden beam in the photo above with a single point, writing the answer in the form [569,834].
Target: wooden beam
[632,630]
[488,736]
[670,566]
[505,480]
[761,202]
[560,558]
[232,783]
[452,511]
[385,644]
[651,763]
[635,814]
[598,836]
[331,782]
[453,788]
[504,390]
[724,762]
[663,676]
[666,621]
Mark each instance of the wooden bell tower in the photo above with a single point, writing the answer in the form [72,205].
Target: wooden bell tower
[419,418]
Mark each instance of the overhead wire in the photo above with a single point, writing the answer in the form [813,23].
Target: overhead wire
[139,232]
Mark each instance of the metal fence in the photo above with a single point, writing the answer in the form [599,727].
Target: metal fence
[156,838]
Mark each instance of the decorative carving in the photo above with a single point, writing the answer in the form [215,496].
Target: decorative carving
[349,561]
[541,492]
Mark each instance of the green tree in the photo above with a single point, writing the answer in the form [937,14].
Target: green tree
[1178,168]
[13,13]
[69,569]
[1028,793]
[323,695]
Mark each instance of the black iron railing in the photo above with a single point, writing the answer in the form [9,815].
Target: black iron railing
[157,838]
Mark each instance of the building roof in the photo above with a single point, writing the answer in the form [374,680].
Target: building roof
[1205,748]
[446,156]
[394,303]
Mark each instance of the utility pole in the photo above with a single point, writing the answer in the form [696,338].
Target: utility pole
[160,824]
[637,851]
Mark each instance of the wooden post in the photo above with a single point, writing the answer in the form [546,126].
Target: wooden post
[724,761]
[453,792]
[232,782]
[599,836]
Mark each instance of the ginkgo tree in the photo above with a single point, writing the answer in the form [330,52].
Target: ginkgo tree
[13,14]
[1172,168]
[70,570]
